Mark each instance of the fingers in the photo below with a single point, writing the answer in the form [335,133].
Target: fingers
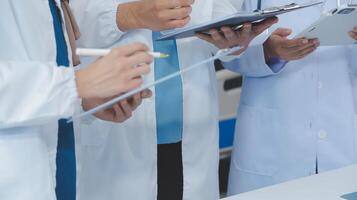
[246,31]
[127,109]
[310,44]
[139,58]
[128,50]
[260,27]
[132,84]
[304,52]
[173,3]
[178,13]
[295,43]
[146,94]
[119,115]
[229,34]
[205,37]
[282,32]
[139,71]
[136,100]
[216,36]
[178,23]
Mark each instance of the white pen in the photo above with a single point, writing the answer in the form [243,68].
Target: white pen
[103,52]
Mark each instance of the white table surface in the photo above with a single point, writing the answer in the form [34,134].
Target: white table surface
[326,186]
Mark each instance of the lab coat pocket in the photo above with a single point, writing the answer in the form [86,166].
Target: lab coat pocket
[257,140]
[95,133]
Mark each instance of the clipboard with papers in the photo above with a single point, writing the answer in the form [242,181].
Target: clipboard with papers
[235,20]
[333,27]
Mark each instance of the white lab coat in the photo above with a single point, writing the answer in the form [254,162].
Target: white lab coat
[119,161]
[297,120]
[34,92]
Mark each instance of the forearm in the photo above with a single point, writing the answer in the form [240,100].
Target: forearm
[128,16]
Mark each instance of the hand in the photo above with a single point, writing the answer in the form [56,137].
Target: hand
[353,33]
[156,15]
[228,38]
[118,72]
[279,46]
[121,111]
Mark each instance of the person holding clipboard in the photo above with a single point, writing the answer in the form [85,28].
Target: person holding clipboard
[39,86]
[169,149]
[297,113]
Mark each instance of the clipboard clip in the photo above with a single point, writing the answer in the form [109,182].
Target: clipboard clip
[280,8]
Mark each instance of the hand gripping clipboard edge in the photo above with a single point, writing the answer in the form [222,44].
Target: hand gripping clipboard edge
[234,20]
[220,54]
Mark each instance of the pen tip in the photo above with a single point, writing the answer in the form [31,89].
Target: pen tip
[164,55]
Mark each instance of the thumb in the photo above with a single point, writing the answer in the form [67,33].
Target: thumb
[146,94]
[283,32]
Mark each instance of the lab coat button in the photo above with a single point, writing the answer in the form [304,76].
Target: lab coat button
[322,134]
[320,85]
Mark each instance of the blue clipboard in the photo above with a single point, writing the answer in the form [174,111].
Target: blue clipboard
[235,20]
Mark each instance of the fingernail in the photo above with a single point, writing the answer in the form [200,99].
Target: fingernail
[305,41]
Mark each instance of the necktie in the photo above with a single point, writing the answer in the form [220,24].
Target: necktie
[65,160]
[168,96]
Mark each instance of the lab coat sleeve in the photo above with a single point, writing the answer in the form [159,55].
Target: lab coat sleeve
[252,64]
[97,22]
[34,93]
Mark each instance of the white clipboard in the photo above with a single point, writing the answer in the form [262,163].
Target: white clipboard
[235,20]
[333,28]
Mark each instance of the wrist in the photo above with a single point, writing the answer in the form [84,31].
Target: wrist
[267,53]
[82,84]
[127,16]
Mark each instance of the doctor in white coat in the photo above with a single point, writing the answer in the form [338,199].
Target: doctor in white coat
[120,161]
[297,116]
[35,93]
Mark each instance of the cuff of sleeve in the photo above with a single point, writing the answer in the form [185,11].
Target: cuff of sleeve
[254,59]
[276,65]
[70,94]
[230,58]
[225,59]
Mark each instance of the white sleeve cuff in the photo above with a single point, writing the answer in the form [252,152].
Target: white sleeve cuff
[69,92]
